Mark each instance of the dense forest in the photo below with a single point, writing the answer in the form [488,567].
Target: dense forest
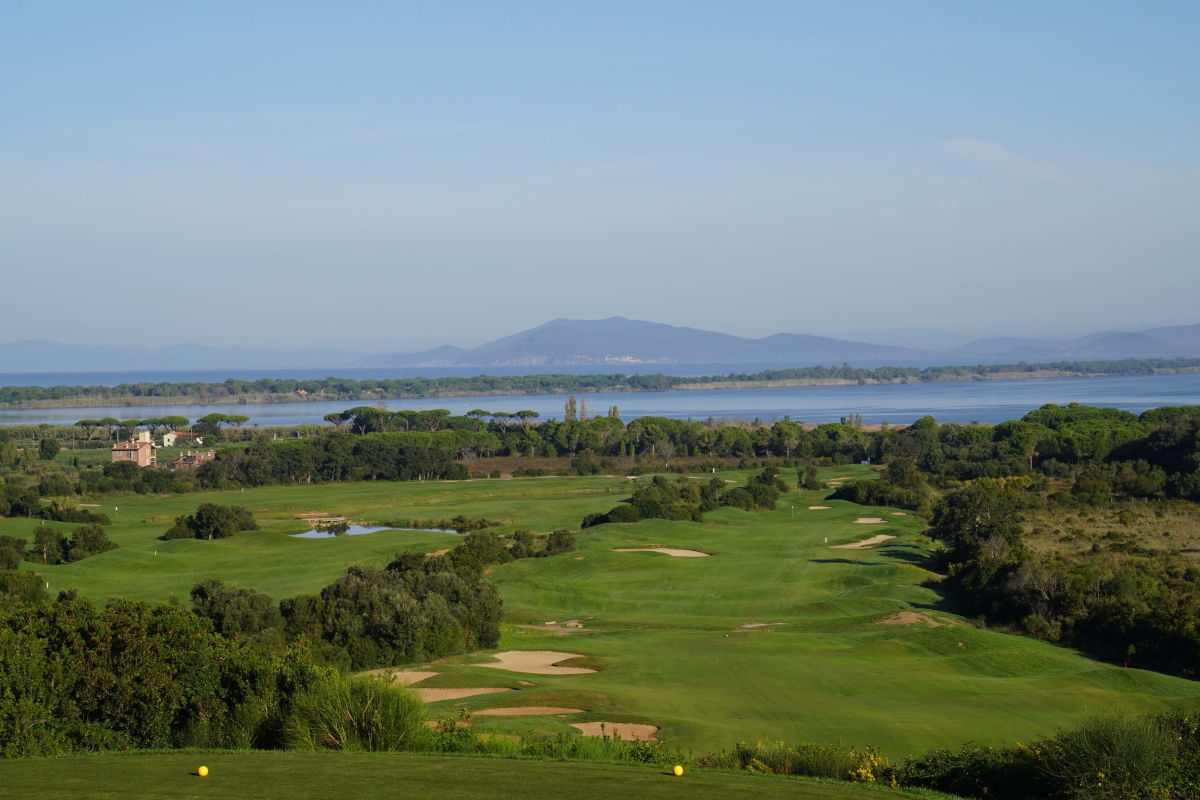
[268,390]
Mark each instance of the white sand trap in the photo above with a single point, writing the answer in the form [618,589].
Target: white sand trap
[868,520]
[435,695]
[629,731]
[526,711]
[819,508]
[883,537]
[402,678]
[669,551]
[536,662]
[753,625]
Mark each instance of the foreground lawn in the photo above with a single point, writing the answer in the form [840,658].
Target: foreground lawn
[319,776]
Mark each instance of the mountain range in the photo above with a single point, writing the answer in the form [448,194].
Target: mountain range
[619,345]
[617,341]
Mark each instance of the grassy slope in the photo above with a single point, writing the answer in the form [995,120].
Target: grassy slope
[665,629]
[300,776]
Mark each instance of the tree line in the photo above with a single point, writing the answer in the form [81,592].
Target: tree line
[289,390]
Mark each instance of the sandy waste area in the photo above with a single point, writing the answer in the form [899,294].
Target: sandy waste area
[526,711]
[536,662]
[883,537]
[668,551]
[628,731]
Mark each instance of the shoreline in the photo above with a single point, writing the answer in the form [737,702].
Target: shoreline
[274,398]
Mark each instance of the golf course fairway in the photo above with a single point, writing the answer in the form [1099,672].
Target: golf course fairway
[777,634]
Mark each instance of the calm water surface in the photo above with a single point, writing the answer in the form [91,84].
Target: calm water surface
[982,401]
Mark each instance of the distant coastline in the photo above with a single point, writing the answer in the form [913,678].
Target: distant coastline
[273,391]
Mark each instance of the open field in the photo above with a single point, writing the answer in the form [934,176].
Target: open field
[363,776]
[776,635]
[1162,525]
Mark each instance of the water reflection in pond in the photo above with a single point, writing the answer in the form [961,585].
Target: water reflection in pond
[360,530]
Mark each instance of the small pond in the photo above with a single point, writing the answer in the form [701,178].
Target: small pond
[360,530]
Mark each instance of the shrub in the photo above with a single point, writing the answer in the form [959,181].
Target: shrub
[815,760]
[356,714]
[1112,756]
[212,521]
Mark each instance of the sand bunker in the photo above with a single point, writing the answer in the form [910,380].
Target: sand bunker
[868,520]
[910,618]
[435,695]
[402,678]
[883,537]
[629,731]
[536,662]
[819,508]
[753,625]
[669,551]
[899,514]
[526,711]
[441,552]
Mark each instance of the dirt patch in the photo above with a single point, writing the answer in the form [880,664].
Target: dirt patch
[909,618]
[883,537]
[434,695]
[536,662]
[564,628]
[868,520]
[629,731]
[441,552]
[403,678]
[819,508]
[669,551]
[526,711]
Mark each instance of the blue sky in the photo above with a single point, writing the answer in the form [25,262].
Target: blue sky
[398,175]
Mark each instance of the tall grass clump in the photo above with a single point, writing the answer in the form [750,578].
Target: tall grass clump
[1112,756]
[356,714]
[835,761]
[566,747]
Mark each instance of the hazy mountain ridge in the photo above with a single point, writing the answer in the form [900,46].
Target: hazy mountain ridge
[615,342]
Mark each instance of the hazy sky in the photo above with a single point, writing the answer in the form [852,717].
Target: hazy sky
[396,175]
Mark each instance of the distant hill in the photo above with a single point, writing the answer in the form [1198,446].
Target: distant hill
[1178,341]
[617,344]
[621,341]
